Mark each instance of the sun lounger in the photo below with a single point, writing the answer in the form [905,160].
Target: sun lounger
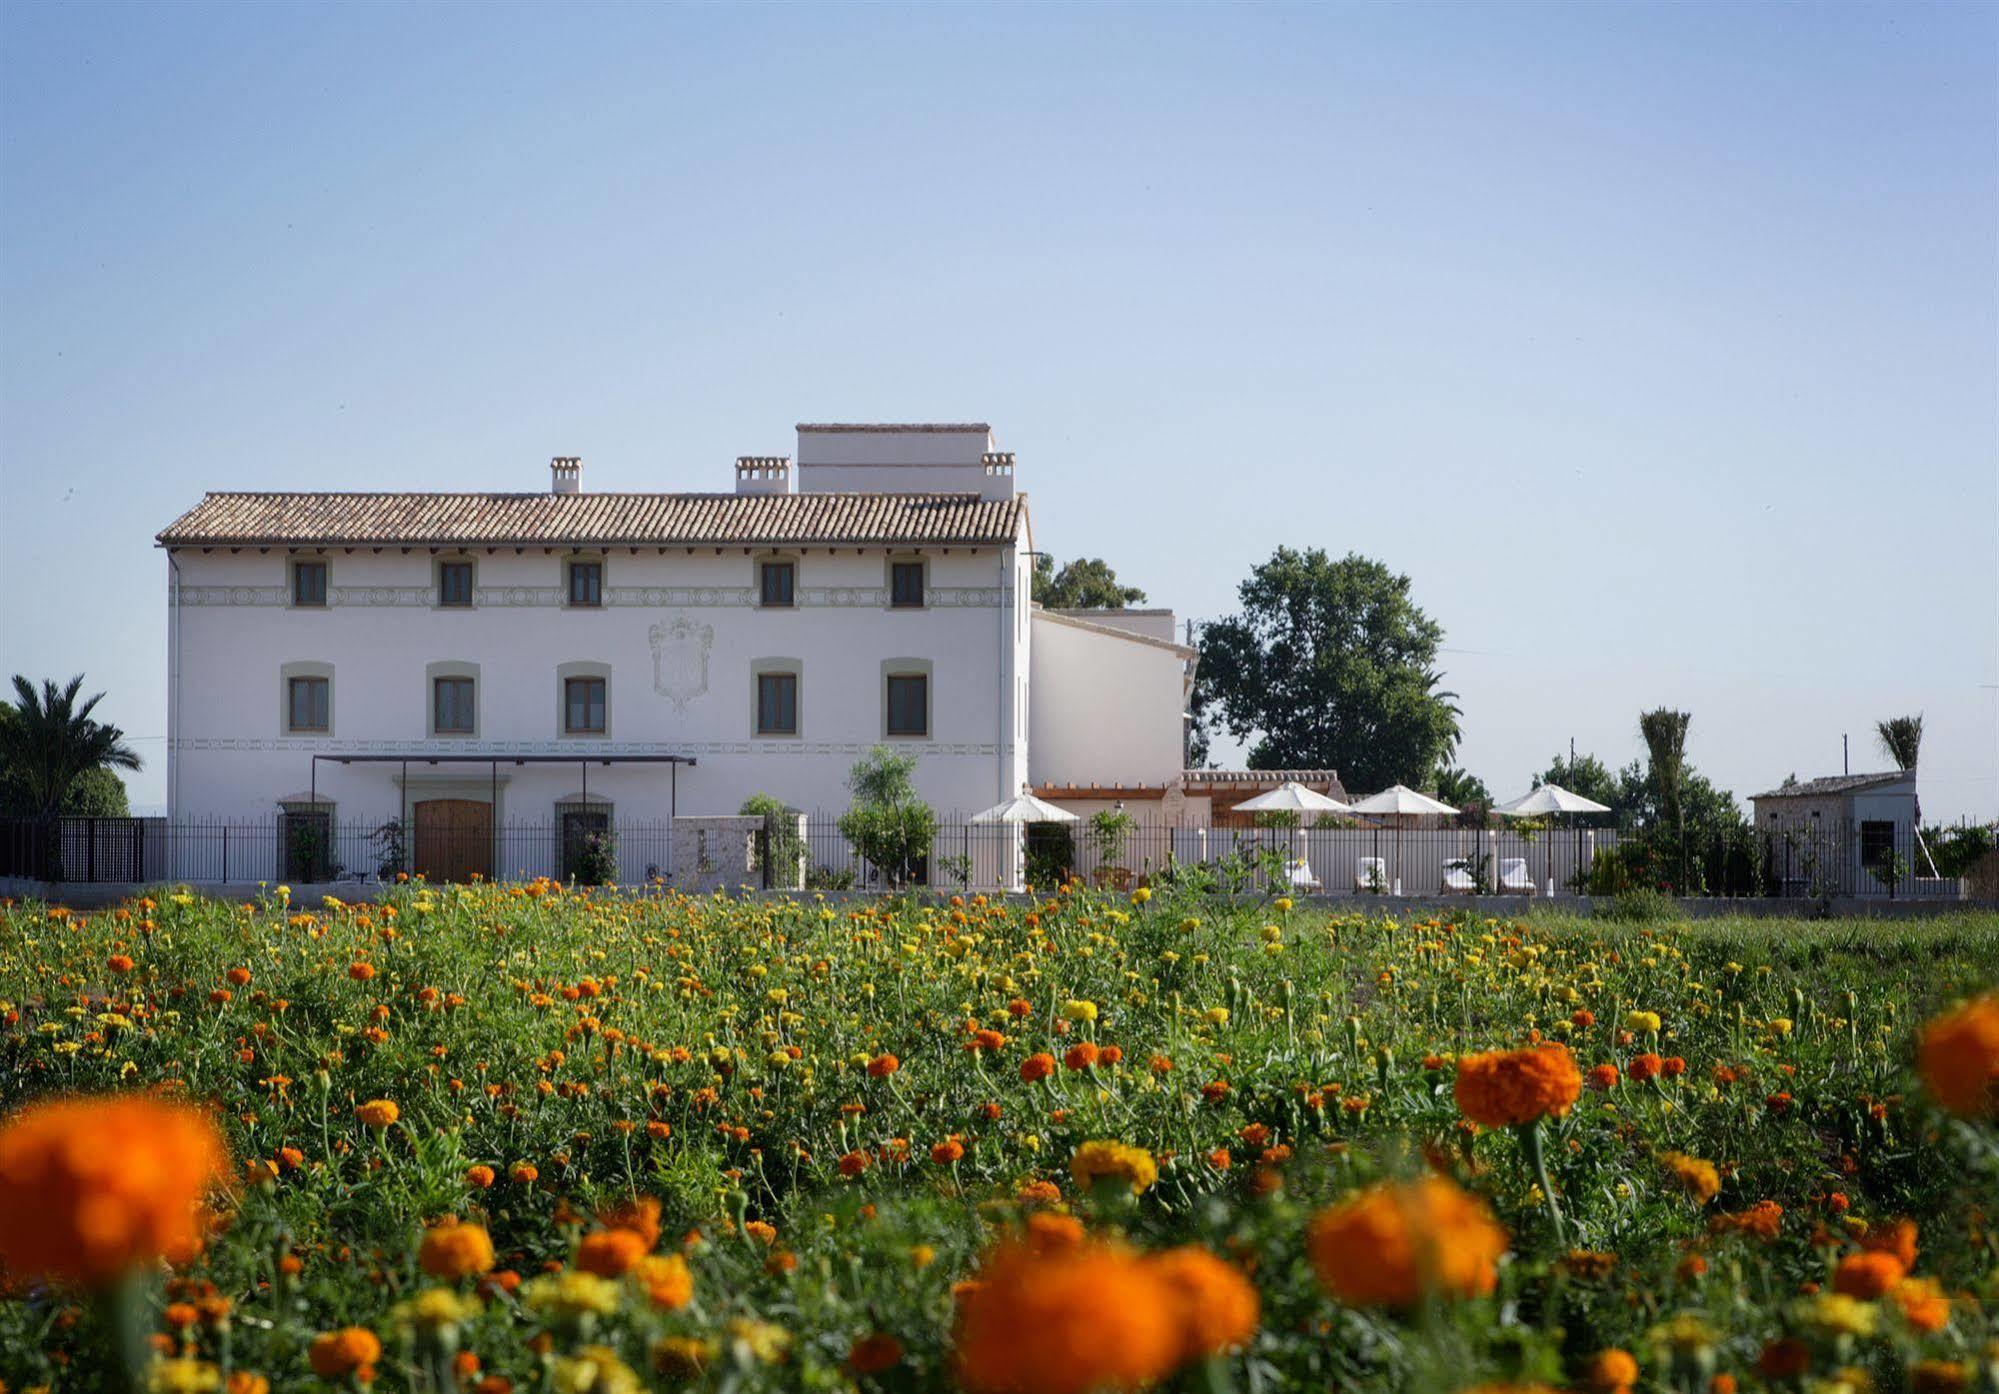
[1301,876]
[1514,878]
[1458,878]
[1370,874]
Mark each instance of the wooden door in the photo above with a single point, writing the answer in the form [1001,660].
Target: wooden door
[454,839]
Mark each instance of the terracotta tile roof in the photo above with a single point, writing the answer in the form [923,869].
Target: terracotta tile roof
[236,519]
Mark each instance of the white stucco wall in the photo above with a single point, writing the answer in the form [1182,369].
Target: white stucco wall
[234,632]
[1106,707]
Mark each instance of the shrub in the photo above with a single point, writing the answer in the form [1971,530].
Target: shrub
[1642,905]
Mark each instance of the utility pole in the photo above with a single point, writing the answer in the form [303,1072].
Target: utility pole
[1845,755]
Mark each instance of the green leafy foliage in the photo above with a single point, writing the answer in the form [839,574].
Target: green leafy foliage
[1087,583]
[1329,665]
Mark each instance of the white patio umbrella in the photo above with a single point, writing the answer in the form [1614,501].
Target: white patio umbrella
[1293,797]
[1399,801]
[1025,808]
[1022,808]
[1548,801]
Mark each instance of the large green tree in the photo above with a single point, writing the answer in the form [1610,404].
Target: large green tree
[1088,583]
[51,750]
[1329,665]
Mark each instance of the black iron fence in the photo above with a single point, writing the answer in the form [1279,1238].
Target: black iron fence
[303,847]
[1812,860]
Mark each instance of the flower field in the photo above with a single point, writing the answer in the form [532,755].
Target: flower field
[523,1138]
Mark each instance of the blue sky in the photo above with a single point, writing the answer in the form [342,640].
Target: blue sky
[1658,344]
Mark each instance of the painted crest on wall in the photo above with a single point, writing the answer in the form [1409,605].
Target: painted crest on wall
[680,659]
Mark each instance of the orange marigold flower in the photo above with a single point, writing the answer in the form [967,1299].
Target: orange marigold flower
[1088,1318]
[855,1162]
[1644,1067]
[668,1281]
[119,963]
[1897,1237]
[1039,1193]
[454,1250]
[883,1065]
[1219,1308]
[762,1231]
[90,1188]
[1610,1371]
[1699,1178]
[1080,1056]
[872,1354]
[360,972]
[1048,1231]
[1959,1058]
[640,1215]
[524,1173]
[348,1351]
[1603,1077]
[479,1177]
[610,1253]
[1505,1088]
[1922,1302]
[948,1151]
[1391,1243]
[379,1113]
[1867,1274]
[1037,1066]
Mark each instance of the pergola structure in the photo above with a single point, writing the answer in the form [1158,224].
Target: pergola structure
[425,757]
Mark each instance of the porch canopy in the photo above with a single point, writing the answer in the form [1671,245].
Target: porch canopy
[430,757]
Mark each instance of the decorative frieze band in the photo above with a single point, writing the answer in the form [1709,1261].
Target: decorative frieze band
[616,597]
[504,750]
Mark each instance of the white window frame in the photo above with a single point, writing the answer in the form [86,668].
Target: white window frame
[304,668]
[581,669]
[761,668]
[450,668]
[910,668]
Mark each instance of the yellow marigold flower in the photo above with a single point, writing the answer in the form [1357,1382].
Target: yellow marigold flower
[594,1369]
[1698,1177]
[1836,1314]
[379,1113]
[1100,1160]
[1959,1058]
[1503,1088]
[1080,1009]
[91,1188]
[570,1294]
[433,1309]
[1390,1244]
[1641,1021]
[183,1377]
[764,1342]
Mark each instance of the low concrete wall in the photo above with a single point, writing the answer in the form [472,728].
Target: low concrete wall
[730,869]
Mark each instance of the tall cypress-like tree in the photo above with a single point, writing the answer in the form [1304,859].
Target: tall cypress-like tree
[1665,732]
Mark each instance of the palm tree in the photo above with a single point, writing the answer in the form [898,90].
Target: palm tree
[1902,738]
[1665,732]
[48,741]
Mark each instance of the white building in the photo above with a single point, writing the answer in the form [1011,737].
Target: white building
[473,661]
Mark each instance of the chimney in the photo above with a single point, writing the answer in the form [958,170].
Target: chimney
[565,474]
[763,474]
